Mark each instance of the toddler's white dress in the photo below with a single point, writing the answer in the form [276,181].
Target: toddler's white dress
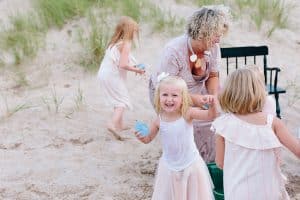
[112,78]
[251,162]
[182,173]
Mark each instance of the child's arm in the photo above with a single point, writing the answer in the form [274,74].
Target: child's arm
[196,113]
[285,137]
[154,127]
[220,149]
[124,59]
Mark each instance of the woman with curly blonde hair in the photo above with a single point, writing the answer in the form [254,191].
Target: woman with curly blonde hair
[195,56]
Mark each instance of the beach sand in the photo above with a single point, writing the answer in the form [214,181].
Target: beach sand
[69,154]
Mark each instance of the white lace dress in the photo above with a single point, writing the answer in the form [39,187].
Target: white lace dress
[112,78]
[251,162]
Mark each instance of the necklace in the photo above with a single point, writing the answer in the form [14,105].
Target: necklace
[200,62]
[193,57]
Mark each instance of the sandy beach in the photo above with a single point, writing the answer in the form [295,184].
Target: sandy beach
[65,152]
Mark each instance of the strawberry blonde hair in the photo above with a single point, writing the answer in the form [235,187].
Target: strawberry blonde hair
[243,93]
[179,83]
[125,30]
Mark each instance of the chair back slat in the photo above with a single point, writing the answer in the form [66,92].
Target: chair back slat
[271,78]
[227,64]
[265,69]
[244,51]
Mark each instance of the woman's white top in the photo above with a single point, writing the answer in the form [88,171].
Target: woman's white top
[179,148]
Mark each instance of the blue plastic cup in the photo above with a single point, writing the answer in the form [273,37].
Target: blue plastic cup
[141,66]
[142,128]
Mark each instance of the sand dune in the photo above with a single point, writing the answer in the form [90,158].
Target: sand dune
[69,154]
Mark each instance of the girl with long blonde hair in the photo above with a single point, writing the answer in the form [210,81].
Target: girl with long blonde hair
[117,61]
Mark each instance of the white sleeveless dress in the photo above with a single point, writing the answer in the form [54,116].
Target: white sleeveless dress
[182,174]
[251,162]
[112,78]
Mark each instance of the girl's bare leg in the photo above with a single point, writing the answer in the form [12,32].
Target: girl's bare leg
[116,124]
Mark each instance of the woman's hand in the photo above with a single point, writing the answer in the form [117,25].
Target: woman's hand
[206,99]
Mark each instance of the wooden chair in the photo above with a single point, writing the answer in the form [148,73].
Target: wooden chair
[250,54]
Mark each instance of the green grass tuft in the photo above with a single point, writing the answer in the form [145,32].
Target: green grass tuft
[95,43]
[56,13]
[23,39]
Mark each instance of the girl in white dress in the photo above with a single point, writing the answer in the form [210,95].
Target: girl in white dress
[182,174]
[113,70]
[248,140]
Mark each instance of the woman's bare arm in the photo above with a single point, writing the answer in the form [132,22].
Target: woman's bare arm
[124,59]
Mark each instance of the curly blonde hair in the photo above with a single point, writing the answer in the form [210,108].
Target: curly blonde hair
[208,22]
[243,93]
[178,82]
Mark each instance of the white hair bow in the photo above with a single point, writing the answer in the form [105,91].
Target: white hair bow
[161,76]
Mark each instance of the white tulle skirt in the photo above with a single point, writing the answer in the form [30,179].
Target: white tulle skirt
[192,183]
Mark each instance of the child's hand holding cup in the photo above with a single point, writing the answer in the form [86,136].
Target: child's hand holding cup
[141,67]
[141,131]
[141,128]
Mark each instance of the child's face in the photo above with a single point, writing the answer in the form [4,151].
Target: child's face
[170,98]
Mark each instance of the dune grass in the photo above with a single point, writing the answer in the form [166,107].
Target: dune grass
[26,34]
[79,98]
[23,39]
[54,102]
[101,25]
[163,20]
[57,13]
[131,8]
[270,14]
[95,42]
[11,110]
[208,2]
[267,14]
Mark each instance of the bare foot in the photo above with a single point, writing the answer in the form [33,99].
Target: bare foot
[114,132]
